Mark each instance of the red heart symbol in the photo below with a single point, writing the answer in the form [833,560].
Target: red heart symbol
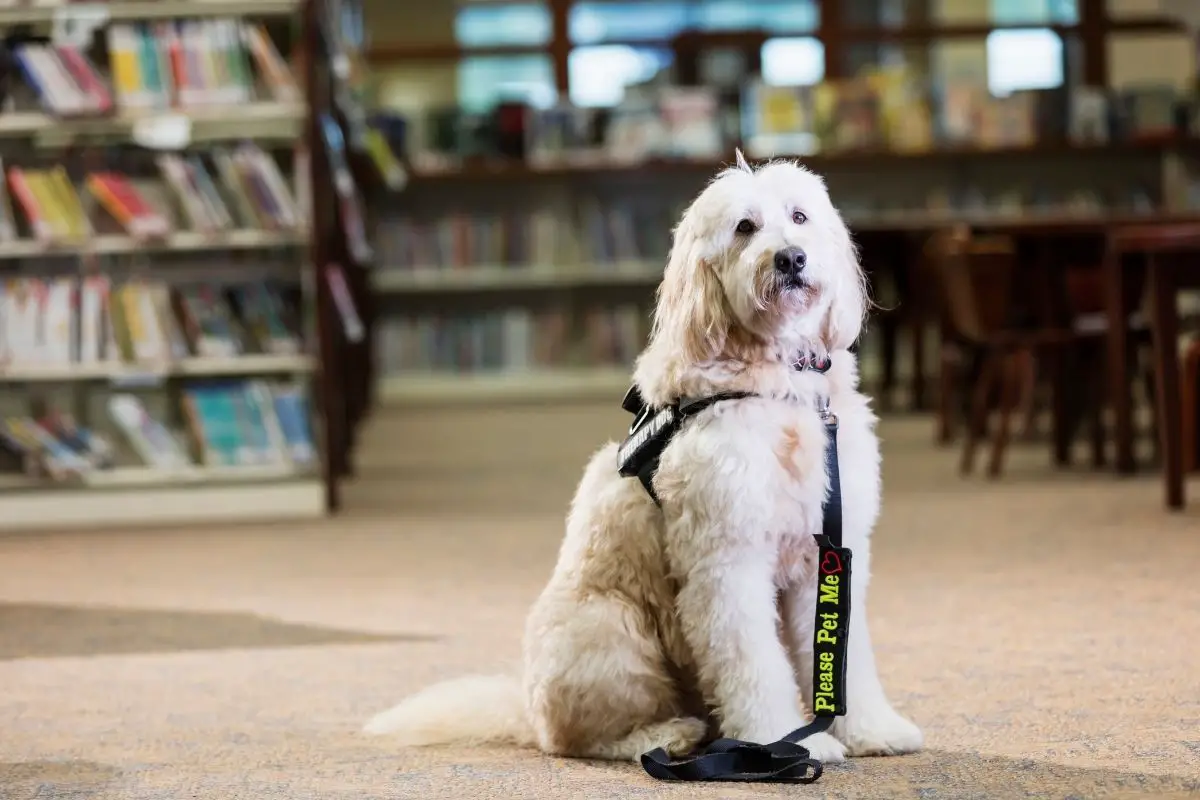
[831,564]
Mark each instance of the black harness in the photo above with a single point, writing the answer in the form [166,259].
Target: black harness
[784,761]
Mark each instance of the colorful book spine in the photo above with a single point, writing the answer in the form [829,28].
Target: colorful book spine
[35,216]
[270,64]
[93,298]
[149,437]
[127,206]
[260,397]
[94,91]
[51,209]
[291,408]
[128,81]
[8,223]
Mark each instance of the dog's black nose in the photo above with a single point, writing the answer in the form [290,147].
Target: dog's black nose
[790,261]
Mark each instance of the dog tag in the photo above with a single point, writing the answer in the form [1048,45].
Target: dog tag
[832,629]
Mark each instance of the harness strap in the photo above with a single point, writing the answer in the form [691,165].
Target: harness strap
[682,410]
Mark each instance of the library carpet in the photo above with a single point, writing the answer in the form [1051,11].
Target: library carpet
[1044,631]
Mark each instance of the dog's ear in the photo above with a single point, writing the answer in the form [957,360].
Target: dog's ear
[740,161]
[848,301]
[690,319]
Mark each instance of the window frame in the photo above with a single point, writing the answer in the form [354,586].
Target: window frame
[1092,31]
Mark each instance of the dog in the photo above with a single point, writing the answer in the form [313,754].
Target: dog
[658,621]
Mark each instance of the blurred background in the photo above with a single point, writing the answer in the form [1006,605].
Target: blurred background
[312,311]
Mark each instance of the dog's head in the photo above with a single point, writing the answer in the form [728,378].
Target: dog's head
[762,266]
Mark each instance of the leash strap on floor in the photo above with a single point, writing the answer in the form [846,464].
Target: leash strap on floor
[787,761]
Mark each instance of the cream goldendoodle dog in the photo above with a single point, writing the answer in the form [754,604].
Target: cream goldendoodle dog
[656,618]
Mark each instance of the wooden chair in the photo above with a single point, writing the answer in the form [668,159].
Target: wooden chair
[976,277]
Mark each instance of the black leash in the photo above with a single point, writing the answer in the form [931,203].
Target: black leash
[784,761]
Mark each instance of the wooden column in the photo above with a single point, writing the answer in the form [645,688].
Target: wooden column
[560,45]
[1094,40]
[830,31]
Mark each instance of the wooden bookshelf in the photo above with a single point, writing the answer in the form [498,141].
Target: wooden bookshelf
[130,491]
[176,242]
[260,121]
[500,170]
[503,278]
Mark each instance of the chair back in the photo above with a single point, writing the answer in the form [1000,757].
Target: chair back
[975,277]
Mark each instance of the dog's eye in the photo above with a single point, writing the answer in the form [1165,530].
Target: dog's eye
[799,217]
[746,226]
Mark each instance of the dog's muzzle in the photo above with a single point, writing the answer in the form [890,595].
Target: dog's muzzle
[789,265]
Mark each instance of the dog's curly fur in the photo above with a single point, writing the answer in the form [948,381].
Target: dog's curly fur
[655,618]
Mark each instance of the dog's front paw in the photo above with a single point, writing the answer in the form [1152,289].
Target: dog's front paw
[878,732]
[825,748]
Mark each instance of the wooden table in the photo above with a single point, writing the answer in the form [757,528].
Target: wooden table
[1161,245]
[1040,232]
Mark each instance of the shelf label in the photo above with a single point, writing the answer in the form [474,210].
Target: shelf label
[75,24]
[137,380]
[163,132]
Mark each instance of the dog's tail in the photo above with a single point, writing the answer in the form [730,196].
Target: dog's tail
[472,710]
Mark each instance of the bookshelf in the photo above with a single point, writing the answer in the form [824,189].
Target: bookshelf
[493,248]
[165,321]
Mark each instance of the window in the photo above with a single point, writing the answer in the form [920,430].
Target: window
[484,81]
[1024,59]
[798,61]
[594,22]
[773,16]
[503,24]
[600,74]
[1025,12]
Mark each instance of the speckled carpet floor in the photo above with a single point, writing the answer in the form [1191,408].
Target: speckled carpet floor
[1044,631]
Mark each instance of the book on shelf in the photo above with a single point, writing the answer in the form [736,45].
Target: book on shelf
[778,120]
[248,192]
[225,424]
[1008,121]
[180,63]
[881,109]
[511,339]
[691,123]
[959,112]
[49,203]
[634,133]
[248,423]
[904,109]
[271,66]
[202,206]
[1090,112]
[391,171]
[8,223]
[39,451]
[64,321]
[595,236]
[65,82]
[150,439]
[849,111]
[118,196]
[1149,112]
